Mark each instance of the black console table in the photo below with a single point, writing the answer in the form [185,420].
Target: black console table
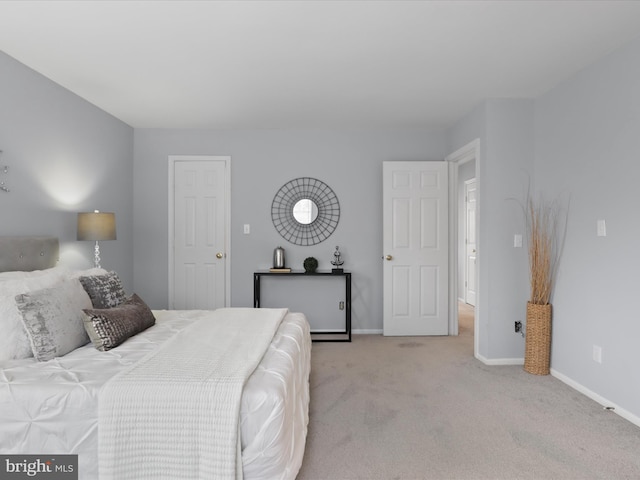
[339,336]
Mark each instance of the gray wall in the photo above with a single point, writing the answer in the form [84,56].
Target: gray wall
[64,156]
[587,132]
[505,131]
[261,162]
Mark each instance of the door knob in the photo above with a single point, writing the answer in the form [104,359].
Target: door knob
[219,255]
[474,250]
[388,257]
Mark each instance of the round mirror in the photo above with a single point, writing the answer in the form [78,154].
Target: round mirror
[305,211]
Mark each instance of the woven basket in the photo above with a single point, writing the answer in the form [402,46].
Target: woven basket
[538,339]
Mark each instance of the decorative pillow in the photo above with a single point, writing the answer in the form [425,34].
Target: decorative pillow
[105,291]
[14,342]
[108,328]
[53,319]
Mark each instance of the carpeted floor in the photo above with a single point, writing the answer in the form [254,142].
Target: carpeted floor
[424,408]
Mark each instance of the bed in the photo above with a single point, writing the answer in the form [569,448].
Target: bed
[59,405]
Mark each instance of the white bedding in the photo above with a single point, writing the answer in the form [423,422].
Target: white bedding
[52,407]
[176,413]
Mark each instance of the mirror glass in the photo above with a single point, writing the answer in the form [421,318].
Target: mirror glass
[305,211]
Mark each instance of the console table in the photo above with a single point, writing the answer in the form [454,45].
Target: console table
[338,336]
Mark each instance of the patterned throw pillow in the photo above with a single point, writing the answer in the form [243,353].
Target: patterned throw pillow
[14,341]
[53,319]
[105,291]
[109,327]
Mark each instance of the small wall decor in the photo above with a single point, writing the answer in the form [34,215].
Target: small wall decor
[305,211]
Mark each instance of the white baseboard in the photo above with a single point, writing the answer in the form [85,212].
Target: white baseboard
[627,415]
[597,398]
[500,361]
[367,332]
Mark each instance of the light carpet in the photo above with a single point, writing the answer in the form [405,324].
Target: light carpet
[425,408]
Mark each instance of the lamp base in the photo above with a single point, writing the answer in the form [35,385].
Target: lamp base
[96,256]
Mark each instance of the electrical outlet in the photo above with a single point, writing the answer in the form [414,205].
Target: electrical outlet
[518,326]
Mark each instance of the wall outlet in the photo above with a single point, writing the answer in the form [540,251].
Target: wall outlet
[518,326]
[597,354]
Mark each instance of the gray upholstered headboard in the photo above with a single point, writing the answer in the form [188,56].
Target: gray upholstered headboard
[28,253]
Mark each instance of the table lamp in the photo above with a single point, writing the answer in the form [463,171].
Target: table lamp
[96,226]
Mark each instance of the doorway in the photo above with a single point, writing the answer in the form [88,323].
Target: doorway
[199,232]
[468,235]
[466,316]
[463,162]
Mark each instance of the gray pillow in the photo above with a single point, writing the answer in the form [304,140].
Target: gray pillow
[53,318]
[109,327]
[105,290]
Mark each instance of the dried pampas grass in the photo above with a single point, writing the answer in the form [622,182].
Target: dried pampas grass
[545,245]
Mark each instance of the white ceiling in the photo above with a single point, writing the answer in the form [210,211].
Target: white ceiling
[307,64]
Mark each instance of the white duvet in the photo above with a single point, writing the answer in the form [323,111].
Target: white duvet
[51,407]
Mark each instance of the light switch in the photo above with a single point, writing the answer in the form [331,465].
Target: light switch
[602,228]
[597,354]
[247,229]
[517,241]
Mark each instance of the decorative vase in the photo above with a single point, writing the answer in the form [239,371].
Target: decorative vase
[278,258]
[538,339]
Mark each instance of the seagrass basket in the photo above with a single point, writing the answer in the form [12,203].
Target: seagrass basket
[537,349]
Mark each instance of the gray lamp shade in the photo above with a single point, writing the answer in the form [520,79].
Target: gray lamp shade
[96,226]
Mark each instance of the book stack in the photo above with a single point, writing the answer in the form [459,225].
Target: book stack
[280,270]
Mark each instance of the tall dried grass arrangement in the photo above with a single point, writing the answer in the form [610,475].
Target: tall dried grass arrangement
[545,241]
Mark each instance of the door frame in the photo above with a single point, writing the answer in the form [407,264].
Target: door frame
[467,153]
[173,159]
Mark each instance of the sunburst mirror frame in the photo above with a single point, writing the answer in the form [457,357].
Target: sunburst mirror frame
[321,195]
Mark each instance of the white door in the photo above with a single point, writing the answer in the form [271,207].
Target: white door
[415,243]
[470,244]
[198,233]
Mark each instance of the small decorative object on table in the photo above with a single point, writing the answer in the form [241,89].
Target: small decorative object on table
[310,265]
[278,257]
[278,261]
[337,262]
